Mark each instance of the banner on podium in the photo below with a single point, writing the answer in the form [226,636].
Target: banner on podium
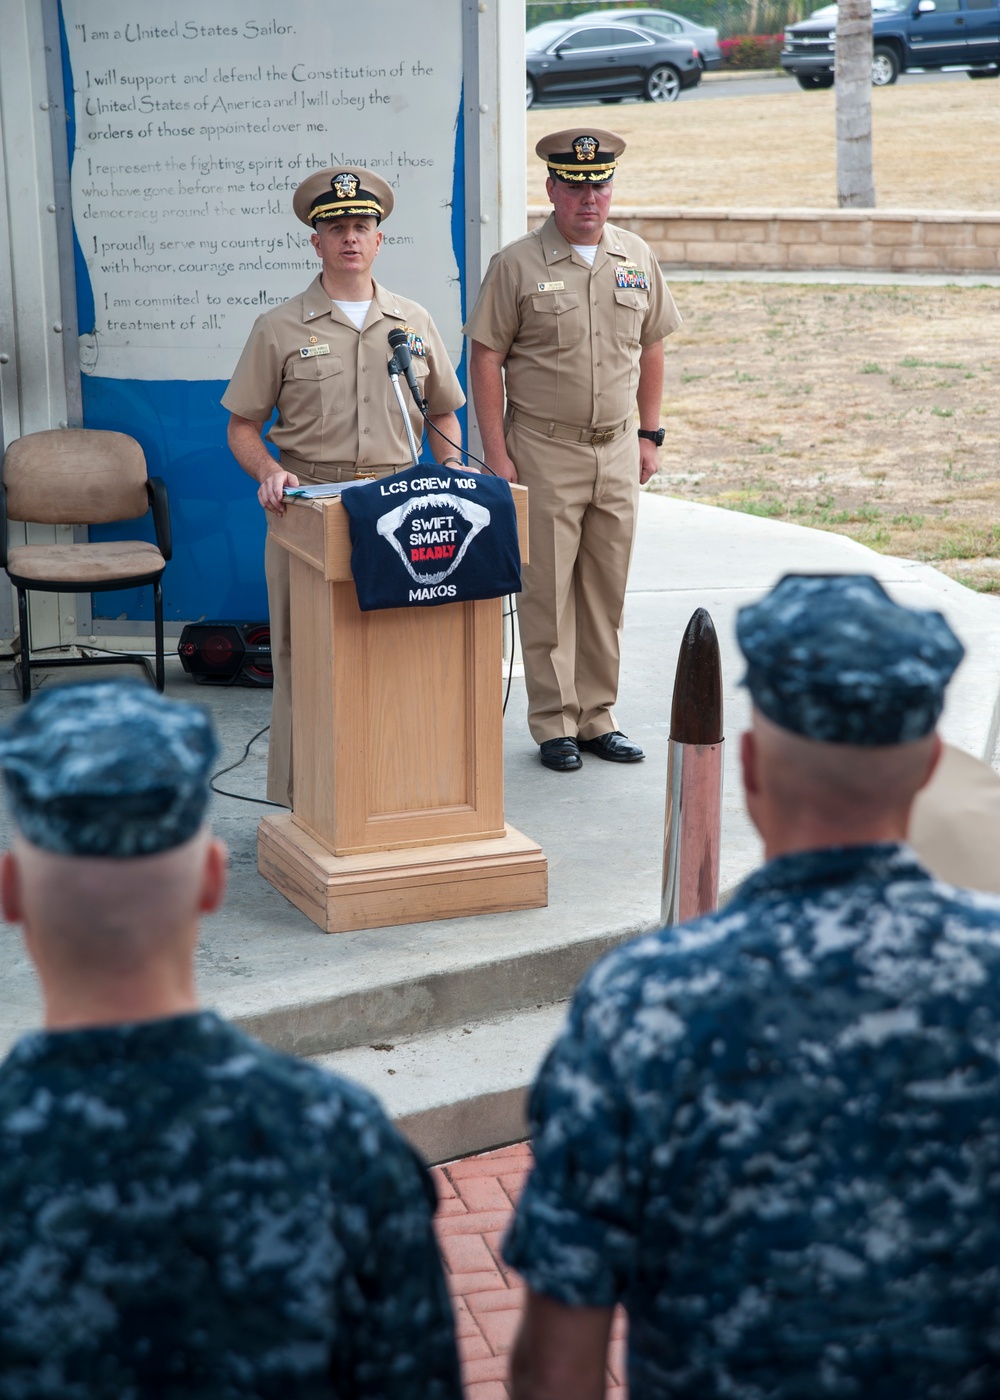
[430,535]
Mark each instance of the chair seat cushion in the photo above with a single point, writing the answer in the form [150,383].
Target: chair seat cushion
[78,565]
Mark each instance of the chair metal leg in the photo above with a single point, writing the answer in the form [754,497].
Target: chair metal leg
[22,614]
[158,633]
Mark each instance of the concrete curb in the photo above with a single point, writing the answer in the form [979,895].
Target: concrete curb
[737,75]
[457,1091]
[425,1003]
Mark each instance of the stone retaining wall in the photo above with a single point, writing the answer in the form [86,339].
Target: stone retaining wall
[815,238]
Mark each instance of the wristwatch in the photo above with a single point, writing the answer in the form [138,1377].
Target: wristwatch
[654,435]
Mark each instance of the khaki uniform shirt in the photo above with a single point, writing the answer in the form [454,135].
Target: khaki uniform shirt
[339,407]
[572,336]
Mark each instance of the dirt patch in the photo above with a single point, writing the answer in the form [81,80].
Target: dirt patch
[936,146]
[870,411]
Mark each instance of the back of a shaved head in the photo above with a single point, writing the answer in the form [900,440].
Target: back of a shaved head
[106,914]
[842,787]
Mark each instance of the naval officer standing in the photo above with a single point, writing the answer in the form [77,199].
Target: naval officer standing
[320,360]
[569,324]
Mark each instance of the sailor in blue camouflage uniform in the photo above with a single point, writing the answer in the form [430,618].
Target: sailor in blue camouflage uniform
[183,1212]
[773,1133]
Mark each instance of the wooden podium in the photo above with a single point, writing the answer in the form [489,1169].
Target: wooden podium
[397,746]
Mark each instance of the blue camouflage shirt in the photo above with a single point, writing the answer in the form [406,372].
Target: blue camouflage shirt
[186,1213]
[774,1134]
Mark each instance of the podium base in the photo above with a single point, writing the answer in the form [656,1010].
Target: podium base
[412,886]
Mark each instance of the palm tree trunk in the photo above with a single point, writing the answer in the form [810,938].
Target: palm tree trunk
[853,88]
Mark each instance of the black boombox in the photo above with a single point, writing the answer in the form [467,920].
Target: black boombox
[227,653]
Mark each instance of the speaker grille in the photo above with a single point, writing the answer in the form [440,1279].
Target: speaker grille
[227,653]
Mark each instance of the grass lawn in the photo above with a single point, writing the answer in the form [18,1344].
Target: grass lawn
[871,411]
[936,145]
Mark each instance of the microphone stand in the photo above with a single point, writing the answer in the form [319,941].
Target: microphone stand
[394,373]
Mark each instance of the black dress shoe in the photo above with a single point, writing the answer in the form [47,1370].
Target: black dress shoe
[614,747]
[561,755]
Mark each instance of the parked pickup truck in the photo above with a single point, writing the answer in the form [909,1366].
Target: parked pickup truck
[906,34]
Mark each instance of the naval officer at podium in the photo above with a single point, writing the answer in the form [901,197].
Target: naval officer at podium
[320,361]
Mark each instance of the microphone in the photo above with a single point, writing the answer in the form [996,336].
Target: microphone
[401,353]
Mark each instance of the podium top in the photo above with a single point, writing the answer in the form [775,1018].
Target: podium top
[318,531]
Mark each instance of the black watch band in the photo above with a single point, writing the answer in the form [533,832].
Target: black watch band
[654,435]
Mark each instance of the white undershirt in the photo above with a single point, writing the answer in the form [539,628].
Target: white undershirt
[587,251]
[355,310]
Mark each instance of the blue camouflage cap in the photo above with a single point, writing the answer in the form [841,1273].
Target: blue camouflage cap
[832,657]
[107,769]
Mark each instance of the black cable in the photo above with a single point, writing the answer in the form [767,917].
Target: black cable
[88,646]
[511,613]
[464,450]
[265,802]
[399,345]
[260,801]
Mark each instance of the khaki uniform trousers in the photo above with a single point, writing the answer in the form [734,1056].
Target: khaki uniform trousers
[582,506]
[280,786]
[955,822]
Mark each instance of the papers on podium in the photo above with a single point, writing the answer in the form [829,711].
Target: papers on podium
[325,488]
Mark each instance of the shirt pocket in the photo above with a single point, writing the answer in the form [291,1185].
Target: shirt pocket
[317,383]
[630,312]
[558,318]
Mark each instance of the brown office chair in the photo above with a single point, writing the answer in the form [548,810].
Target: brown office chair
[82,476]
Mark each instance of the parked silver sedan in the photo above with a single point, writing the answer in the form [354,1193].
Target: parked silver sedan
[705,39]
[571,60]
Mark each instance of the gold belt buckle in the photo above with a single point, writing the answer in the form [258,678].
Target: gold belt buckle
[364,474]
[603,435]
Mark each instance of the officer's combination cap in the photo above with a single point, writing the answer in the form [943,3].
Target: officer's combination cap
[340,190]
[581,155]
[107,769]
[832,657]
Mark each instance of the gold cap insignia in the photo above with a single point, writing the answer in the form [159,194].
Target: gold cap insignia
[345,186]
[580,156]
[340,190]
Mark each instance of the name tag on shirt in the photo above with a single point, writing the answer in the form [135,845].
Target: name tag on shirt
[552,286]
[633,277]
[309,351]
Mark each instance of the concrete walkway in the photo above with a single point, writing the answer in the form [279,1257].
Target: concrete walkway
[447,1021]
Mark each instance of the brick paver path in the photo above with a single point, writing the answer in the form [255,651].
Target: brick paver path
[477,1197]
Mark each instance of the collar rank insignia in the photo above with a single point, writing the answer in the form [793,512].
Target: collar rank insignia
[345,186]
[585,147]
[632,277]
[415,343]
